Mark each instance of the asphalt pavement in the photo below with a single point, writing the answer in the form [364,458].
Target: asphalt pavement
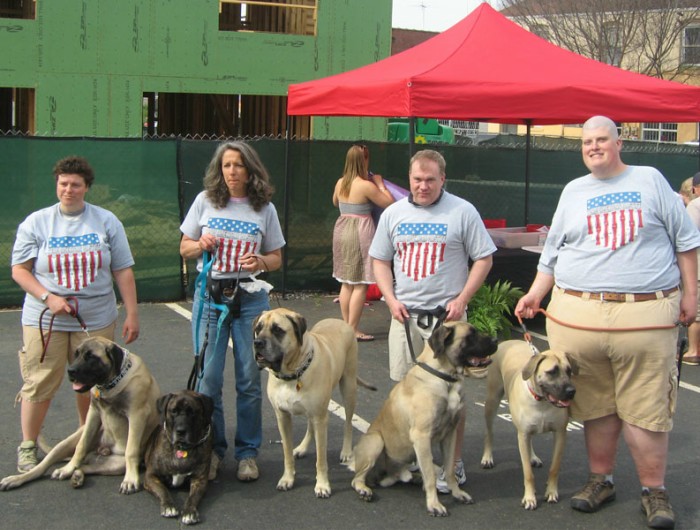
[165,345]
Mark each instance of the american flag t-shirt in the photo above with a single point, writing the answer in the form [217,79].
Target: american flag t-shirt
[75,261]
[234,239]
[614,219]
[421,248]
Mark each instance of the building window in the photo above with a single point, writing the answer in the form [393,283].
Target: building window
[665,133]
[690,51]
[293,17]
[18,9]
[16,110]
[611,52]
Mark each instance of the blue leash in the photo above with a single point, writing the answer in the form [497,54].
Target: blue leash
[201,286]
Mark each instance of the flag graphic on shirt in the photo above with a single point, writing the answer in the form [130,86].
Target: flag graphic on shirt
[421,248]
[234,239]
[75,261]
[614,219]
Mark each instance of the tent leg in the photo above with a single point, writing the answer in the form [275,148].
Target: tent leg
[285,228]
[528,139]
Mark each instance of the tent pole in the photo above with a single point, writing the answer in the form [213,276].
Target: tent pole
[698,145]
[411,136]
[528,138]
[287,187]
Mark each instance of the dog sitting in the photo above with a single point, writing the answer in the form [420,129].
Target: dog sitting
[180,449]
[423,409]
[305,367]
[120,420]
[539,390]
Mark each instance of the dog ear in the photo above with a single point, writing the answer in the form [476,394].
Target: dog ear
[299,324]
[116,355]
[531,366]
[162,405]
[573,363]
[207,406]
[441,338]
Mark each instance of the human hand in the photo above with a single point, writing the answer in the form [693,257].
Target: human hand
[455,309]
[207,242]
[250,262]
[397,309]
[130,329]
[527,306]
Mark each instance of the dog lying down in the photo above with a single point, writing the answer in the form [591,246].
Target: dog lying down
[421,410]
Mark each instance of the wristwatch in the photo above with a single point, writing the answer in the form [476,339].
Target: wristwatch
[45,296]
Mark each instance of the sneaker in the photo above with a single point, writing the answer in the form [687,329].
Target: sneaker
[460,475]
[594,494]
[657,508]
[247,470]
[27,458]
[214,465]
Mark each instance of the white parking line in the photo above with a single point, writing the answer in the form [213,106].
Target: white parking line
[336,408]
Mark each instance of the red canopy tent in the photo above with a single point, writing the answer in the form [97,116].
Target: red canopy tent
[487,68]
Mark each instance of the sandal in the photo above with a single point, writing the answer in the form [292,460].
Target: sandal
[363,337]
[692,360]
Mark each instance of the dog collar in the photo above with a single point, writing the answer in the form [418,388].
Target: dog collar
[533,393]
[299,371]
[126,366]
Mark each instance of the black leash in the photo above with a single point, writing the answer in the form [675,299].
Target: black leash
[424,320]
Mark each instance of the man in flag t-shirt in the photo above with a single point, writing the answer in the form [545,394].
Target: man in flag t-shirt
[429,238]
[620,260]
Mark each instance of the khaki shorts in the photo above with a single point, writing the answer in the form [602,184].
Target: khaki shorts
[42,380]
[400,361]
[632,374]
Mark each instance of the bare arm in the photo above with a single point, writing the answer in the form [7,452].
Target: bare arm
[529,304]
[688,265]
[193,248]
[385,282]
[126,284]
[270,261]
[378,193]
[477,275]
[23,275]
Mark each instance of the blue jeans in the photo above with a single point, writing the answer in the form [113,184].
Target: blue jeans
[248,385]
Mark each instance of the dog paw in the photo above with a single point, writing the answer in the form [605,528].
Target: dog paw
[529,503]
[127,487]
[322,491]
[487,463]
[535,461]
[363,491]
[63,473]
[552,495]
[346,457]
[463,497]
[169,511]
[77,479]
[285,483]
[190,517]
[437,510]
[10,483]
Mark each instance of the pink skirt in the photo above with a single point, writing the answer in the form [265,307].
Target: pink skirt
[352,236]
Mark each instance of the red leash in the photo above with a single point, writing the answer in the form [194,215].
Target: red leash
[73,312]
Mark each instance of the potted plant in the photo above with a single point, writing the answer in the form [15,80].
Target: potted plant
[490,307]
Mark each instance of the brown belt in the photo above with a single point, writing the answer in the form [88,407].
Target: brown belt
[621,297]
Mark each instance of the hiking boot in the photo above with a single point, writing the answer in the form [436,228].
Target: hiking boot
[214,465]
[247,470]
[594,494]
[657,508]
[27,458]
[460,475]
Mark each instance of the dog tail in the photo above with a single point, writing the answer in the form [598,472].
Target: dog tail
[365,384]
[43,443]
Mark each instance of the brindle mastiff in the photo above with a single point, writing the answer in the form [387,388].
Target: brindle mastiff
[121,418]
[304,368]
[424,408]
[539,390]
[180,448]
